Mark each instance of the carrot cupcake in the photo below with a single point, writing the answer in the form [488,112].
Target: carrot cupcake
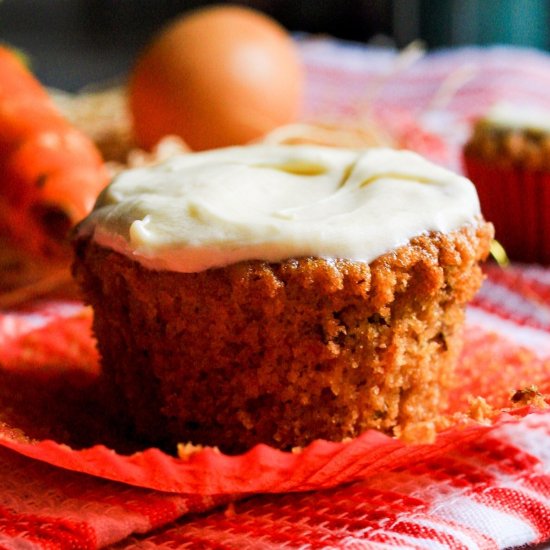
[280,294]
[508,159]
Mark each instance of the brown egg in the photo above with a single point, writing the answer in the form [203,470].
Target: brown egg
[220,76]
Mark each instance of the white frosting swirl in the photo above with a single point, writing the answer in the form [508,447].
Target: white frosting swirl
[211,209]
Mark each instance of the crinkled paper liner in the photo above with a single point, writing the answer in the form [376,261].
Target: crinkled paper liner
[49,376]
[263,469]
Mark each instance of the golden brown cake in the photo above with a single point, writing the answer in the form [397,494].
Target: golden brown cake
[217,339]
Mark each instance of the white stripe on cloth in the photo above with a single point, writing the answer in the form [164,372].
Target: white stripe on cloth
[514,304]
[537,340]
[506,529]
[531,435]
[434,490]
[535,273]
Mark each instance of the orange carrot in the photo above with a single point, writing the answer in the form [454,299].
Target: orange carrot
[50,173]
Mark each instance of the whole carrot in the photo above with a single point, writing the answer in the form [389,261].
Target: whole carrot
[50,173]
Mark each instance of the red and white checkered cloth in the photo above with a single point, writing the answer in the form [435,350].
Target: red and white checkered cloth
[479,486]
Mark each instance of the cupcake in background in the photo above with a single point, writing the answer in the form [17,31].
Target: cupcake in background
[508,159]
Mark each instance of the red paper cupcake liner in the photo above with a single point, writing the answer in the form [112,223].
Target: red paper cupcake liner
[50,410]
[263,469]
[517,202]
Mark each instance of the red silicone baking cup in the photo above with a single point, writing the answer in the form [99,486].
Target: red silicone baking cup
[517,202]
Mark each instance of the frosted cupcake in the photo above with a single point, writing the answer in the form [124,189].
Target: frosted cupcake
[280,294]
[508,159]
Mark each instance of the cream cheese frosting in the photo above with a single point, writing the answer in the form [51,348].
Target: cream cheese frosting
[509,115]
[272,202]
